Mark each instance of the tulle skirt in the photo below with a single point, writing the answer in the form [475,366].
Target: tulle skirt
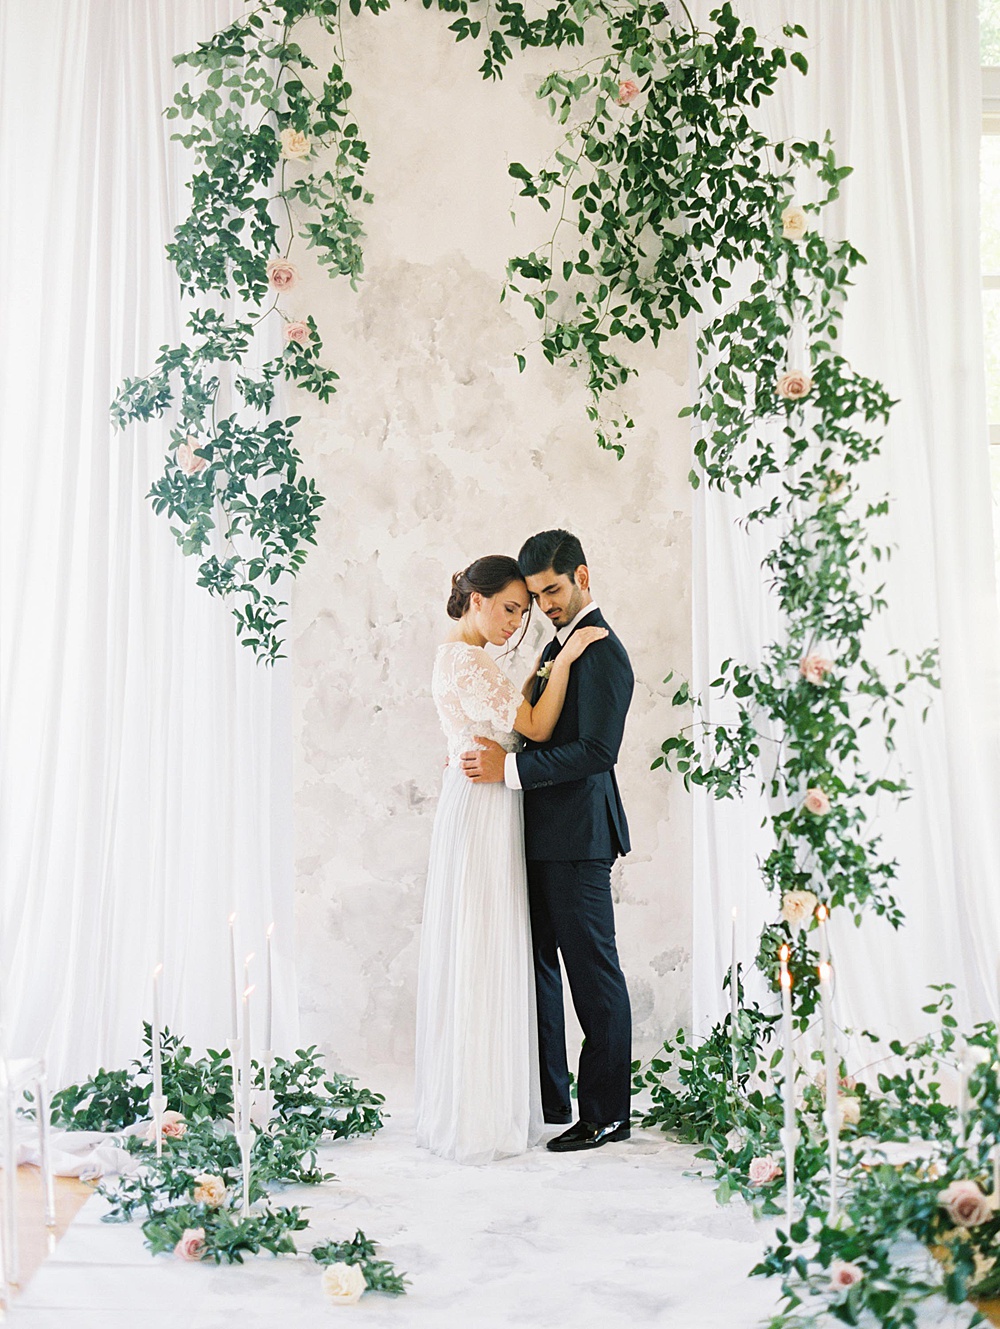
[477,1089]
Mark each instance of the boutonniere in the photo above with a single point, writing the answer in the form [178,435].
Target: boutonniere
[545,670]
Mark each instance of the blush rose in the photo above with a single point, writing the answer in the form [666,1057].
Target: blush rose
[627,92]
[794,385]
[186,458]
[298,332]
[191,1245]
[843,1274]
[816,802]
[210,1190]
[172,1127]
[281,274]
[763,1170]
[813,668]
[965,1203]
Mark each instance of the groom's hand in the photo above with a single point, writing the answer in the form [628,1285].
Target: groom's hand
[486,764]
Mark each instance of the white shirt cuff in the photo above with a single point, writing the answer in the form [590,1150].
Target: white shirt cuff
[510,776]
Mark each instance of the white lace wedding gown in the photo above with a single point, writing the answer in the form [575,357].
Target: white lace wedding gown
[477,1090]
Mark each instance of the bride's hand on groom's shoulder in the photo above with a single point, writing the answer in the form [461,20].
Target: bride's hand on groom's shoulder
[579,641]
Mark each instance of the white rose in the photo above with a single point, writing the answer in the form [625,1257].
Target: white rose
[848,1109]
[794,223]
[294,144]
[797,907]
[344,1283]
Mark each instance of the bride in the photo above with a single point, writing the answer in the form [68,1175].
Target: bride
[477,1089]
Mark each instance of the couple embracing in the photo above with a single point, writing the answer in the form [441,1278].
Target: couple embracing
[527,829]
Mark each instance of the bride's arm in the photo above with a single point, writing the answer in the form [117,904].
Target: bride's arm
[526,689]
[537,722]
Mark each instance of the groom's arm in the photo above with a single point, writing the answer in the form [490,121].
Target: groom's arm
[605,690]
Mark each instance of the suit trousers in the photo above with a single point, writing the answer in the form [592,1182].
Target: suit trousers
[572,914]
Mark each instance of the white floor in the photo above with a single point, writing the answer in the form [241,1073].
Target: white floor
[617,1237]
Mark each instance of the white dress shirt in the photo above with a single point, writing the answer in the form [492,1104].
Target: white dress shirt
[510,776]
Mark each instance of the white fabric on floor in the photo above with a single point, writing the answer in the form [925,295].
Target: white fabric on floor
[898,85]
[145,764]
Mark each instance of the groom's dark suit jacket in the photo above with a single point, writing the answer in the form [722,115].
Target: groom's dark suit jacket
[572,808]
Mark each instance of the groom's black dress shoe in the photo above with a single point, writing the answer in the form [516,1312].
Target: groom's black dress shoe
[589,1135]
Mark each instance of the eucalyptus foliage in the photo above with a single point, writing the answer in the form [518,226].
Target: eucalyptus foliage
[310,1106]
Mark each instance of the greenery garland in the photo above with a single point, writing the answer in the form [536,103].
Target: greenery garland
[191,1196]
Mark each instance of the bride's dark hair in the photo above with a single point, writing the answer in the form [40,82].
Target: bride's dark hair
[487,575]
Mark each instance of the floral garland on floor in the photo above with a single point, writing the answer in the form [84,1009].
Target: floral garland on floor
[191,1195]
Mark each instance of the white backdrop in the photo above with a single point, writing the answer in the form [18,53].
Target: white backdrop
[145,766]
[898,84]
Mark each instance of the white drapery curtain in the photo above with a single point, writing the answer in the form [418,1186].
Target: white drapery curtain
[898,85]
[145,763]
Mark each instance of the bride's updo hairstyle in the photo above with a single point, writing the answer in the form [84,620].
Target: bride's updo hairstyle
[487,575]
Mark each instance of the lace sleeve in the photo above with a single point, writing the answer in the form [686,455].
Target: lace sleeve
[486,693]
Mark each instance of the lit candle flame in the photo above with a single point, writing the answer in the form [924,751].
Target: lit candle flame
[783,954]
[825,970]
[249,957]
[822,913]
[158,970]
[734,913]
[247,991]
[270,931]
[232,918]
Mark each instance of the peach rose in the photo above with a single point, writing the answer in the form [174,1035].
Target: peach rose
[794,223]
[794,386]
[192,1245]
[627,92]
[844,1275]
[816,802]
[848,1109]
[344,1283]
[172,1127]
[967,1206]
[797,906]
[186,459]
[281,274]
[763,1170]
[209,1190]
[298,332]
[294,144]
[813,667]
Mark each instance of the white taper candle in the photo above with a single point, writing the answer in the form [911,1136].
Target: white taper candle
[832,1072]
[269,997]
[788,1087]
[233,991]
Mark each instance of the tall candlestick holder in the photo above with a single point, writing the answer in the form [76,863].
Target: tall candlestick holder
[158,1104]
[267,1097]
[234,1044]
[245,1139]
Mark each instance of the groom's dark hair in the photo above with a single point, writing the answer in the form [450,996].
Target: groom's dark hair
[557,550]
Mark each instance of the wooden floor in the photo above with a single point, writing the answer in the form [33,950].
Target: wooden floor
[35,1240]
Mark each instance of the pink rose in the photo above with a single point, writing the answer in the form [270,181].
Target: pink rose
[794,386]
[186,459]
[967,1206]
[813,667]
[299,332]
[294,144]
[192,1245]
[844,1275]
[627,92]
[763,1170]
[281,274]
[172,1127]
[816,802]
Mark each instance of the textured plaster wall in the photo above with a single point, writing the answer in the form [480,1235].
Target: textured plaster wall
[435,451]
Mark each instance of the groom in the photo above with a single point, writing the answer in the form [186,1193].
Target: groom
[574,829]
